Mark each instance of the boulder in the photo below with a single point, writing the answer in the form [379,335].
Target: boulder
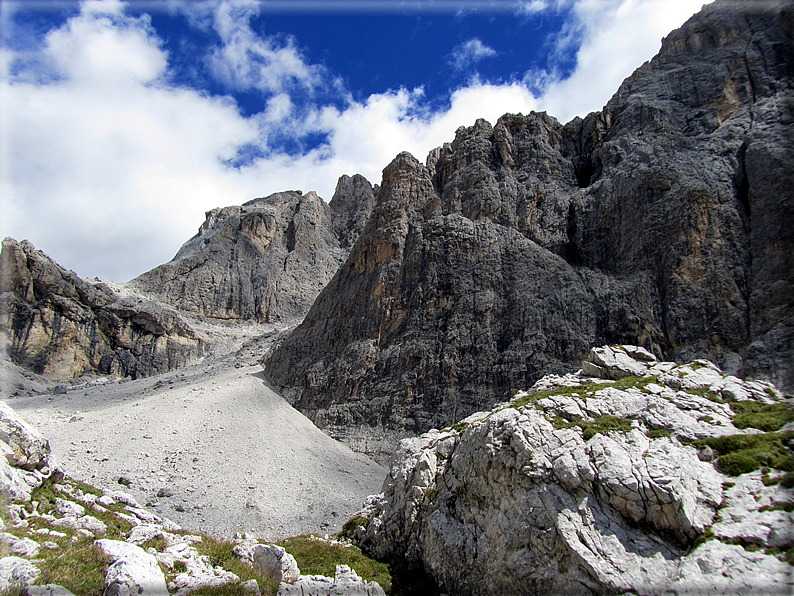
[345,582]
[582,486]
[133,571]
[275,563]
[16,574]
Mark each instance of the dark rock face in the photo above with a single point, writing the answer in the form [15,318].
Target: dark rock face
[63,326]
[265,260]
[665,221]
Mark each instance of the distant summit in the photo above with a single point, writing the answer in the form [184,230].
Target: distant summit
[265,260]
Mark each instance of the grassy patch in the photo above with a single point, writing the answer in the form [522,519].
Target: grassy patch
[431,494]
[603,424]
[460,426]
[318,557]
[158,543]
[740,454]
[658,433]
[579,390]
[707,393]
[78,566]
[350,526]
[766,417]
[590,428]
[708,534]
[787,506]
[220,554]
[635,382]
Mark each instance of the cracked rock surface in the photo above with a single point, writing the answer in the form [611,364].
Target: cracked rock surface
[591,486]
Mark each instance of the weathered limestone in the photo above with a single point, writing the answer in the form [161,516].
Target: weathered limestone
[16,573]
[345,582]
[275,563]
[133,571]
[26,462]
[587,488]
[265,260]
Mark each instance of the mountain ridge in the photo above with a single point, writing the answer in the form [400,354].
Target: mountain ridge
[659,221]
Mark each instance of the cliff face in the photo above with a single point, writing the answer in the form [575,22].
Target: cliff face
[265,260]
[665,220]
[62,326]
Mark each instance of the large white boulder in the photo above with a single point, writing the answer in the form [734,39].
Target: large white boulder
[133,571]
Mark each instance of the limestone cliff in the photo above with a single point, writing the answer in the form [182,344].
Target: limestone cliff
[665,220]
[265,260]
[62,326]
[652,484]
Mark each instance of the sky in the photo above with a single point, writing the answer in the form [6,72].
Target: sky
[122,123]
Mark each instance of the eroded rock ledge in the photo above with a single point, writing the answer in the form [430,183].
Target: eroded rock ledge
[59,325]
[587,486]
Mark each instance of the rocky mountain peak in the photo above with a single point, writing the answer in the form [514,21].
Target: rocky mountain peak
[658,221]
[265,260]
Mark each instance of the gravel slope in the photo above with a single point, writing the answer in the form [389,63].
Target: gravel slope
[236,456]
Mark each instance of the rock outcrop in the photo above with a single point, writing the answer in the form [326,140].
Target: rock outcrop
[652,484]
[25,461]
[265,260]
[62,326]
[664,221]
[345,582]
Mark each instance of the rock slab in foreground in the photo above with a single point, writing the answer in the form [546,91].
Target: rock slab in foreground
[345,582]
[587,486]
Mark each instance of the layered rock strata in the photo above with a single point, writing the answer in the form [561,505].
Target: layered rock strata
[585,486]
[265,260]
[62,326]
[665,221]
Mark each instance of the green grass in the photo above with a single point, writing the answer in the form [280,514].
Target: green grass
[78,566]
[46,494]
[350,526]
[740,454]
[318,557]
[220,554]
[158,543]
[766,417]
[568,391]
[658,433]
[460,426]
[707,393]
[787,506]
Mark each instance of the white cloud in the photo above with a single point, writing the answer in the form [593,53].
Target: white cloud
[617,36]
[109,168]
[470,53]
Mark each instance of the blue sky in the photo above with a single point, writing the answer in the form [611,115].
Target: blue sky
[123,122]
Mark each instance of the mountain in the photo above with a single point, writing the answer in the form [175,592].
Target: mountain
[265,260]
[665,221]
[62,326]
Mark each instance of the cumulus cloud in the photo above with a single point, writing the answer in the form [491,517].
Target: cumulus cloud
[469,54]
[109,167]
